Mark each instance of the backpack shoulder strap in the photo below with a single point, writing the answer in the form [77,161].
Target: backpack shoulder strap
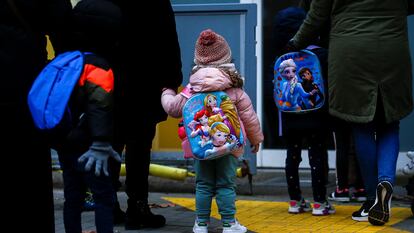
[186,92]
[311,47]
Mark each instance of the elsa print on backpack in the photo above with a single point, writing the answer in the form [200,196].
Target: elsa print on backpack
[298,82]
[213,125]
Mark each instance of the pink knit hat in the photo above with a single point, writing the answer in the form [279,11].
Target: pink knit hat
[211,49]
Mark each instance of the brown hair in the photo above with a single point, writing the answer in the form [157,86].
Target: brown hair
[303,70]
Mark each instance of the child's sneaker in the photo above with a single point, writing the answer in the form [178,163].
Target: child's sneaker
[379,213]
[200,227]
[234,227]
[362,214]
[320,209]
[296,207]
[340,195]
[359,195]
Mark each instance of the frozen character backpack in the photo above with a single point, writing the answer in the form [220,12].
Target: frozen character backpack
[212,126]
[298,82]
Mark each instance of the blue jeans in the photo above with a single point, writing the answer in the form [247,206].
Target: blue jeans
[76,181]
[216,177]
[377,147]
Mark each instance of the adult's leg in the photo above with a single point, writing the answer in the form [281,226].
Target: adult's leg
[137,161]
[25,151]
[366,149]
[387,154]
[354,173]
[354,167]
[388,146]
[342,143]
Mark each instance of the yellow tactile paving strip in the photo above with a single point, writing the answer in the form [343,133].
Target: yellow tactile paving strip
[270,217]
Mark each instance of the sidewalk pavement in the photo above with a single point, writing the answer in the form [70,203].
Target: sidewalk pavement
[265,211]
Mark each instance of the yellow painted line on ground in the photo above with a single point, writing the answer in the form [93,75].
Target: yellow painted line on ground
[270,217]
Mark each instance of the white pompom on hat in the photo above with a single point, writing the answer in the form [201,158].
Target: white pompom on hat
[211,49]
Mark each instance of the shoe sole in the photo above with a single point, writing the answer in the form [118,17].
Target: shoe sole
[200,231]
[322,213]
[339,199]
[298,211]
[380,212]
[360,219]
[234,231]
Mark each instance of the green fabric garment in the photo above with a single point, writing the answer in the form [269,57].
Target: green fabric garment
[216,177]
[368,56]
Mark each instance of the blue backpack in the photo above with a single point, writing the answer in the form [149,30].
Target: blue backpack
[50,93]
[212,126]
[298,82]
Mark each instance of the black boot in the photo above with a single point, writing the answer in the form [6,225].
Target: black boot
[119,215]
[139,215]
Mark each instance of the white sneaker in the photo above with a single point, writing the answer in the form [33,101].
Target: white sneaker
[296,207]
[409,167]
[320,209]
[235,227]
[200,227]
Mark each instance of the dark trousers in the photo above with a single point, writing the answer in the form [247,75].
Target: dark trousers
[137,161]
[28,156]
[346,160]
[317,158]
[76,181]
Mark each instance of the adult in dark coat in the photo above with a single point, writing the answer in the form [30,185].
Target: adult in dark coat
[28,204]
[346,161]
[150,60]
[370,84]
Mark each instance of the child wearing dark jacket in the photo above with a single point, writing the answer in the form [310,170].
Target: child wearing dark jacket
[84,151]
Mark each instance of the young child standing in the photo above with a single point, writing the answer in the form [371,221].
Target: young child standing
[84,151]
[310,129]
[213,71]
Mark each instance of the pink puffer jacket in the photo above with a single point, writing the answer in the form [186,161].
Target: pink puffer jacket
[212,79]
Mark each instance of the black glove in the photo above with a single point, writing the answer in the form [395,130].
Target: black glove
[98,153]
